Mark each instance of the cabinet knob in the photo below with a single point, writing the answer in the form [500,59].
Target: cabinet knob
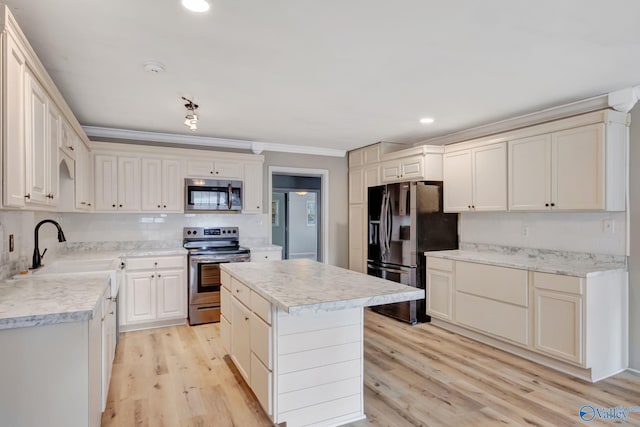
[546,204]
[153,275]
[155,263]
[164,206]
[266,256]
[553,204]
[158,206]
[120,205]
[237,291]
[246,318]
[469,206]
[88,204]
[473,206]
[211,172]
[73,149]
[159,275]
[217,172]
[27,196]
[113,206]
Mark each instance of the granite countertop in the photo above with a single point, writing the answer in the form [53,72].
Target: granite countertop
[304,285]
[566,265]
[36,301]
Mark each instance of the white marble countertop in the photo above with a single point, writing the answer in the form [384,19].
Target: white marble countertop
[35,301]
[568,267]
[123,253]
[304,285]
[265,248]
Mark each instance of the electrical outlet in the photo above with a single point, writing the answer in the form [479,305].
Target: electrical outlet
[608,226]
[525,231]
[11,248]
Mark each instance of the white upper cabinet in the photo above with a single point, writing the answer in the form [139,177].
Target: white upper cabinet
[68,139]
[566,170]
[14,70]
[223,168]
[252,188]
[37,148]
[406,169]
[84,177]
[117,183]
[476,179]
[162,185]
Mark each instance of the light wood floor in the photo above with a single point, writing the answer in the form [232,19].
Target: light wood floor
[414,376]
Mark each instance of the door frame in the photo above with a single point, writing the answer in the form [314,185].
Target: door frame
[323,174]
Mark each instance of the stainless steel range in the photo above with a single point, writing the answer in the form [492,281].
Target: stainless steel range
[208,248]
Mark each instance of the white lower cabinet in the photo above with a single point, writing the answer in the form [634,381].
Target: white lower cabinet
[241,337]
[575,324]
[155,292]
[271,254]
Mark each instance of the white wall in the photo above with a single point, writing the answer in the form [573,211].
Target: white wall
[337,197]
[577,232]
[634,258]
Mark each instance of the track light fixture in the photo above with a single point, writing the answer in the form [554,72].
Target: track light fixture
[191,119]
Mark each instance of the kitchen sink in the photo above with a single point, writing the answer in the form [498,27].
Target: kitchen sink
[77,266]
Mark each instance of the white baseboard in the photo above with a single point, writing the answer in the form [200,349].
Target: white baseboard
[634,371]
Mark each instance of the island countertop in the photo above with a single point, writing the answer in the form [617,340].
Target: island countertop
[304,285]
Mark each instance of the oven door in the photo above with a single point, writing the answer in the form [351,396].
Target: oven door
[204,276]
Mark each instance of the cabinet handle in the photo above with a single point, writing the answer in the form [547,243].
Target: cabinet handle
[111,312]
[246,318]
[237,291]
[27,196]
[83,203]
[73,149]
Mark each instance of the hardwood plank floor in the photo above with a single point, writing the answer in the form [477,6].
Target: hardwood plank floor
[414,376]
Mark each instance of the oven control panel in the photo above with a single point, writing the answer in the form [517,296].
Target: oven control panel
[210,232]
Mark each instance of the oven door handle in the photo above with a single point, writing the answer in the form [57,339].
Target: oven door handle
[222,259]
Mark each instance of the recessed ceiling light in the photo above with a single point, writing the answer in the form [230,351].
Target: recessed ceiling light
[427,120]
[196,5]
[153,67]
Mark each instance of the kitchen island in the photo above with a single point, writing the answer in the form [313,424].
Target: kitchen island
[294,330]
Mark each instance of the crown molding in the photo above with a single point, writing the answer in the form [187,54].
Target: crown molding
[256,147]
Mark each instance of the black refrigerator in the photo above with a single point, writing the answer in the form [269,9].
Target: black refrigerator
[405,220]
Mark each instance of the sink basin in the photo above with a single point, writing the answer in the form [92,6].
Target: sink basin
[77,266]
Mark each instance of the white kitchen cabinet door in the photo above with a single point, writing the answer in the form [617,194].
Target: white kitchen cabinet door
[106,182]
[68,140]
[440,294]
[200,168]
[84,177]
[14,125]
[128,183]
[252,188]
[151,182]
[356,185]
[141,297]
[37,141]
[172,186]
[412,168]
[490,177]
[371,178]
[458,181]
[229,169]
[171,294]
[391,171]
[558,325]
[357,247]
[577,168]
[54,141]
[530,173]
[241,338]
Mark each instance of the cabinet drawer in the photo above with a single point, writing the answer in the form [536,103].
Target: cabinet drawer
[225,302]
[225,279]
[559,283]
[261,307]
[439,264]
[497,318]
[261,340]
[257,256]
[241,291]
[261,379]
[225,334]
[150,263]
[498,283]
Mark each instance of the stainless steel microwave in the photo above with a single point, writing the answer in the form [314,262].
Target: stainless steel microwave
[207,195]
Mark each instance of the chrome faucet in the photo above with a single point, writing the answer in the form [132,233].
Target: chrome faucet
[37,256]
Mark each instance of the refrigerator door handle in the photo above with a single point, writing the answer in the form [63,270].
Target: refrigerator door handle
[388,270]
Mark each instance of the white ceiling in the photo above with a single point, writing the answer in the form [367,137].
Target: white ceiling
[330,73]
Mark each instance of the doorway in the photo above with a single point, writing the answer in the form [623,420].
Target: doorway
[297,214]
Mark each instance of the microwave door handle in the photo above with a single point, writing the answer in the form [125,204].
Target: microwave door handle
[229,191]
